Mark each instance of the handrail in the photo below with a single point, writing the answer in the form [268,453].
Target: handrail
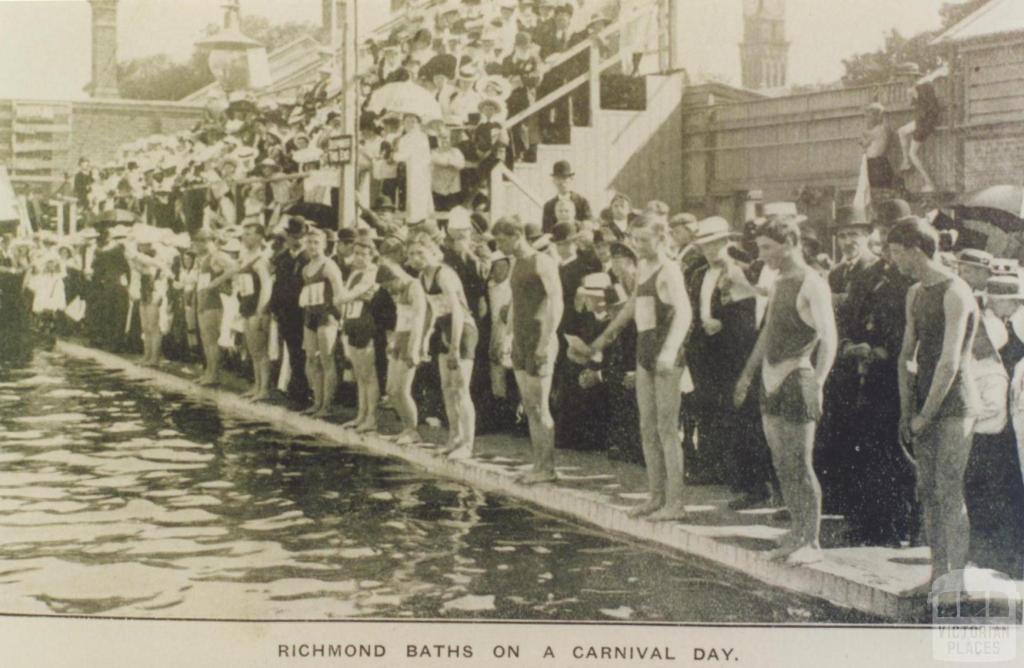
[515,180]
[561,91]
[564,56]
[620,23]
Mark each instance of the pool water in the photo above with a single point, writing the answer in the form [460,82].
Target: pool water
[119,499]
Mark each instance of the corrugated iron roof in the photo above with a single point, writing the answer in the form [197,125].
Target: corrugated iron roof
[994,18]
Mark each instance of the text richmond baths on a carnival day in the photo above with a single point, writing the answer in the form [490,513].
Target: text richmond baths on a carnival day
[507,651]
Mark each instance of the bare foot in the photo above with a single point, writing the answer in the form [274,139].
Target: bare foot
[788,544]
[324,412]
[351,424]
[804,555]
[207,382]
[262,396]
[462,452]
[536,478]
[248,394]
[312,410]
[645,508]
[669,513]
[408,437]
[366,428]
[450,447]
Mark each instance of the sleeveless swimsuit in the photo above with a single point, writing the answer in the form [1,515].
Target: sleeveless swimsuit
[442,314]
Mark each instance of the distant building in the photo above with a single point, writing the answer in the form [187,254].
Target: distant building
[764,52]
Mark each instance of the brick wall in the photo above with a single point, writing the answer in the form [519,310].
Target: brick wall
[994,158]
[99,128]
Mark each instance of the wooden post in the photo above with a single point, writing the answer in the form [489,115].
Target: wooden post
[73,218]
[60,216]
[594,80]
[347,12]
[498,192]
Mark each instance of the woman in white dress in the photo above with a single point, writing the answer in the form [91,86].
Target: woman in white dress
[413,150]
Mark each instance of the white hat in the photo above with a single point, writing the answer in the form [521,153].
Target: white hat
[594,285]
[459,219]
[1003,266]
[713,229]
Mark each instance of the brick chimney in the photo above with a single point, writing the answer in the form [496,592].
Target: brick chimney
[104,49]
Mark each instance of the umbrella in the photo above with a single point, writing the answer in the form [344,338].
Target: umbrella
[1002,206]
[405,97]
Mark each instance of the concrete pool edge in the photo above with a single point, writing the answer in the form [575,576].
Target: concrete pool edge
[576,504]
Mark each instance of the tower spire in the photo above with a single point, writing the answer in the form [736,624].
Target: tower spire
[764,52]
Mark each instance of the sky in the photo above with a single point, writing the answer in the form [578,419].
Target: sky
[45,44]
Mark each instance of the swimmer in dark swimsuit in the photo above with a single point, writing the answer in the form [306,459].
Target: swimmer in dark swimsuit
[318,299]
[799,327]
[534,315]
[940,403]
[661,309]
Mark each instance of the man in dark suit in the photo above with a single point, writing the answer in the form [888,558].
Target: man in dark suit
[852,236]
[284,305]
[732,449]
[865,474]
[562,176]
[108,299]
[554,37]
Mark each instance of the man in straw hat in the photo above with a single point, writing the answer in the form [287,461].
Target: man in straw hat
[732,449]
[536,311]
[940,403]
[799,327]
[993,485]
[661,310]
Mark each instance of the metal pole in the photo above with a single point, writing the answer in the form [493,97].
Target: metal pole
[347,212]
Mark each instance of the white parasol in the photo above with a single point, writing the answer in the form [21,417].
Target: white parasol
[405,97]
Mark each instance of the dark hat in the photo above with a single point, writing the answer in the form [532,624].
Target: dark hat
[619,249]
[847,218]
[532,231]
[346,235]
[564,9]
[383,203]
[564,232]
[296,227]
[892,211]
[975,257]
[562,169]
[479,222]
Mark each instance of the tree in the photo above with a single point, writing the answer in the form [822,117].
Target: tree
[161,78]
[879,66]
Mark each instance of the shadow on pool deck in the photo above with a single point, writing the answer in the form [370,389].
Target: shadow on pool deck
[598,491]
